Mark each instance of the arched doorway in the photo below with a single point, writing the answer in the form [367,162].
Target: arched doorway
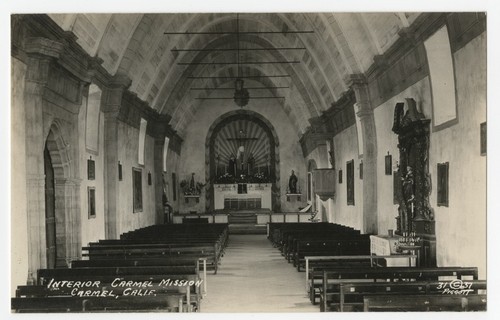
[50,213]
[62,201]
[242,135]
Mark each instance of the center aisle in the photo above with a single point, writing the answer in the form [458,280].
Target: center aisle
[255,277]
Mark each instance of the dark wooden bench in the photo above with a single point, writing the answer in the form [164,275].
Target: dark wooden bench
[109,278]
[316,265]
[355,245]
[172,302]
[475,302]
[105,285]
[352,294]
[279,232]
[134,252]
[331,279]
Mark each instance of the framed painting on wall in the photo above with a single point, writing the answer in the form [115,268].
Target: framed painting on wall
[137,189]
[174,187]
[483,138]
[442,184]
[91,202]
[350,182]
[120,173]
[388,165]
[90,169]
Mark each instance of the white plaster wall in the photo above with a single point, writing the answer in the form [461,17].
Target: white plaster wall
[346,149]
[19,223]
[461,227]
[128,145]
[193,148]
[387,141]
[91,229]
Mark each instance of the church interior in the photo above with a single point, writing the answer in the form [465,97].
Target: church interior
[191,161]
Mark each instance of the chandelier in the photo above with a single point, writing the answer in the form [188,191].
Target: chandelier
[241,95]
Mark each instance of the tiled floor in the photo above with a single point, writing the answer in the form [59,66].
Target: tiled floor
[254,277]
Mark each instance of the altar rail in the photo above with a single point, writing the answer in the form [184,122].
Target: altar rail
[262,217]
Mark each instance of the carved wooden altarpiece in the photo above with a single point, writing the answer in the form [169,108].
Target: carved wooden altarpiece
[414,213]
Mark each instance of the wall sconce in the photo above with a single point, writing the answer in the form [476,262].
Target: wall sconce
[149,178]
[388,164]
[120,176]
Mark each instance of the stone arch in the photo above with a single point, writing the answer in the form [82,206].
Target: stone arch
[275,156]
[67,196]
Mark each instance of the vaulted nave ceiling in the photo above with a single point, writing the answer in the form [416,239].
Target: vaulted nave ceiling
[136,45]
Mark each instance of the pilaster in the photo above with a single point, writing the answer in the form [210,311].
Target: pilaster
[36,80]
[111,102]
[365,114]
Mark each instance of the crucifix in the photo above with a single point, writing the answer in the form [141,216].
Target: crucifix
[240,140]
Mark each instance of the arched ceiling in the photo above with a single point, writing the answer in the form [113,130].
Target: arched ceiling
[135,45]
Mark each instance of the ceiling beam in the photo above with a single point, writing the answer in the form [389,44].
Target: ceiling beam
[241,77]
[240,32]
[232,98]
[236,63]
[270,87]
[234,49]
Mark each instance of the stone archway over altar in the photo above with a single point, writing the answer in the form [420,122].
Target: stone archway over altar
[242,149]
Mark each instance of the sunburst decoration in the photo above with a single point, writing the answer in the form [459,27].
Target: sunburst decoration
[242,133]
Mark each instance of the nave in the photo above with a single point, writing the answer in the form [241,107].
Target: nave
[361,133]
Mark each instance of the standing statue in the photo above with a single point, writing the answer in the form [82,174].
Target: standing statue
[409,190]
[250,164]
[292,183]
[232,165]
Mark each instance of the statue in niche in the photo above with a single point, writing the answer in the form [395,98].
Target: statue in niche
[292,183]
[232,165]
[250,164]
[409,189]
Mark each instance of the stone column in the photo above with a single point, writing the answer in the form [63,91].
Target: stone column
[40,52]
[158,178]
[111,103]
[365,113]
[72,219]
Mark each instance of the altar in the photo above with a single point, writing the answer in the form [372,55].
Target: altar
[242,196]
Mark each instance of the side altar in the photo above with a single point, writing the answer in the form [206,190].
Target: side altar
[242,196]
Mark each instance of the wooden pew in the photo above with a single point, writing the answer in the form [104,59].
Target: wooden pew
[476,302]
[356,245]
[352,293]
[279,232]
[109,279]
[172,302]
[332,279]
[134,252]
[316,265]
[171,261]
